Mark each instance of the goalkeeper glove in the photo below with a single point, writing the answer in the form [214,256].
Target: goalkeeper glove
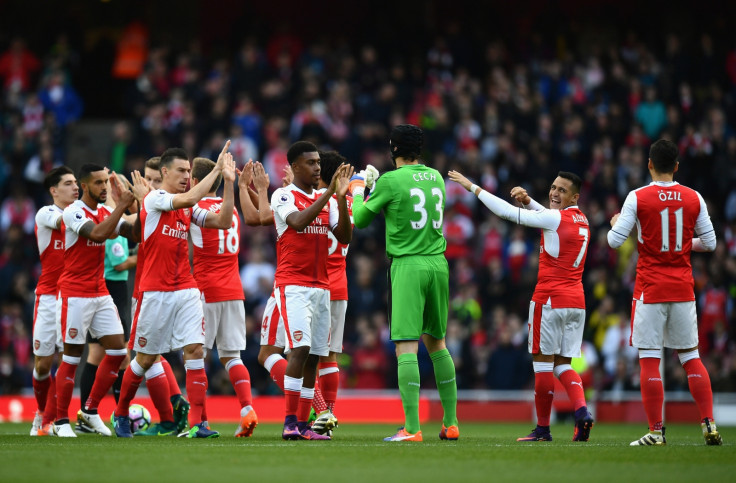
[357,183]
[371,175]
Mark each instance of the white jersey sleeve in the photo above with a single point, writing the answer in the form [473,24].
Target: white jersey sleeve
[75,218]
[533,205]
[706,241]
[544,219]
[625,223]
[48,217]
[283,204]
[159,200]
[334,213]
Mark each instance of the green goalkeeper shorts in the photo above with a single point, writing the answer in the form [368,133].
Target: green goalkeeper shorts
[419,296]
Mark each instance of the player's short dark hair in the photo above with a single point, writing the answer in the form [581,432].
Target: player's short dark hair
[88,169]
[170,155]
[664,154]
[406,141]
[299,148]
[329,161]
[201,167]
[577,183]
[53,178]
[154,163]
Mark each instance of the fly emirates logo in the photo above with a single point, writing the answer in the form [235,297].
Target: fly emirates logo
[316,228]
[180,231]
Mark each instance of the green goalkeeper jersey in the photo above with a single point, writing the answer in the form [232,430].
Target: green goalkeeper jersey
[412,198]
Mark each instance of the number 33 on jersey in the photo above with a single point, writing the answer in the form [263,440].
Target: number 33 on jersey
[413,200]
[216,257]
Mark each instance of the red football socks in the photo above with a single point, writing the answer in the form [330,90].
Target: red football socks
[573,385]
[329,380]
[130,384]
[699,382]
[107,373]
[240,379]
[158,389]
[174,389]
[652,391]
[544,393]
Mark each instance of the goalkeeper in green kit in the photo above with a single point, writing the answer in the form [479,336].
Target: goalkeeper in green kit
[412,198]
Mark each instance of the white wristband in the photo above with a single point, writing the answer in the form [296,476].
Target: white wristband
[473,187]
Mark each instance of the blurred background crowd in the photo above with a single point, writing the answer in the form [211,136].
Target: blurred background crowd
[507,95]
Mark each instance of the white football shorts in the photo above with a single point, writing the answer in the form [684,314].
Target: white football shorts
[224,323]
[46,338]
[272,326]
[169,321]
[555,331]
[76,316]
[306,315]
[337,324]
[672,324]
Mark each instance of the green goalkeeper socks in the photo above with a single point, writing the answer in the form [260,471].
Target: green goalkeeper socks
[409,389]
[444,374]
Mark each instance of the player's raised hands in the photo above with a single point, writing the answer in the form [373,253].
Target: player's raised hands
[228,168]
[221,157]
[371,175]
[126,196]
[288,177]
[140,186]
[344,173]
[116,188]
[520,195]
[245,177]
[460,179]
[614,218]
[260,178]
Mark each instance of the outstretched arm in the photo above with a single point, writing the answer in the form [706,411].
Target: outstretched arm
[544,219]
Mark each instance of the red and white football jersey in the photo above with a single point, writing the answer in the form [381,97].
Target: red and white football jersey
[336,260]
[302,255]
[50,248]
[165,232]
[84,260]
[216,257]
[667,215]
[564,245]
[562,254]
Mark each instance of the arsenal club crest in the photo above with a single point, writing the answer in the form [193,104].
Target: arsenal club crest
[72,332]
[142,342]
[297,334]
[36,344]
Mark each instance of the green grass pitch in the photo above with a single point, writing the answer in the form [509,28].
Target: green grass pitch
[485,452]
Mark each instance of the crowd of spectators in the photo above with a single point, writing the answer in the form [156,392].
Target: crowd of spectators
[505,118]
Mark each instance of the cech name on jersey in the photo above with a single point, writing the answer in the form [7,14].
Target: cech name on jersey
[424,177]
